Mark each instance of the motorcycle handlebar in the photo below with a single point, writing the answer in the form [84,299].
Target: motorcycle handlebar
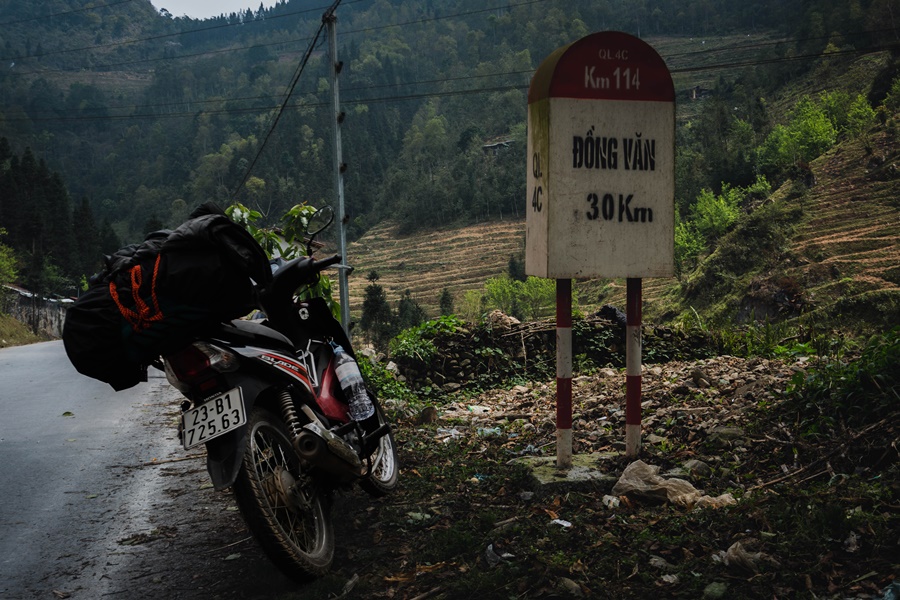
[303,270]
[324,263]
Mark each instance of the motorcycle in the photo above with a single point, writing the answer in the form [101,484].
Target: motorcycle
[266,399]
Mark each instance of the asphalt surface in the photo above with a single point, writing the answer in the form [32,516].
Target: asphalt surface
[99,500]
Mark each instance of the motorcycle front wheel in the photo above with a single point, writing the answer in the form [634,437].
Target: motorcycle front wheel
[383,475]
[285,509]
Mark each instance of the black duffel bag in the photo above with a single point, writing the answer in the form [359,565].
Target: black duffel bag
[155,296]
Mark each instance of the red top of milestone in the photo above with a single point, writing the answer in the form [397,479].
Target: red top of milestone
[609,65]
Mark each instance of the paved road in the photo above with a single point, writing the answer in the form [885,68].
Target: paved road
[97,498]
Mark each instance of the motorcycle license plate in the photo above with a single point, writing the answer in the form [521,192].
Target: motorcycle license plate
[217,416]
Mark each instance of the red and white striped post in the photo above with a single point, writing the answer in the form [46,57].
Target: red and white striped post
[633,368]
[563,373]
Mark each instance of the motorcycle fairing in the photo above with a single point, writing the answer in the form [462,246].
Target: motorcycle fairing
[289,365]
[329,398]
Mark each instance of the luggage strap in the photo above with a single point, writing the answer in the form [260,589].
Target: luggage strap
[144,315]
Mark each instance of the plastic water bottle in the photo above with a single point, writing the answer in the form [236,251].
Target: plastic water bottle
[352,385]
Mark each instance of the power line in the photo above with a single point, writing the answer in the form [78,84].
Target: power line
[281,109]
[64,13]
[429,19]
[163,58]
[166,35]
[133,107]
[213,27]
[754,45]
[383,99]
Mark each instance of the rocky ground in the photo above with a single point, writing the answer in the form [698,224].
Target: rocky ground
[796,515]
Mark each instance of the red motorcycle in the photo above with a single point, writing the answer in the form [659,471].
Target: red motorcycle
[285,417]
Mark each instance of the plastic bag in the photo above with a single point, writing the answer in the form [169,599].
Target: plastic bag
[642,481]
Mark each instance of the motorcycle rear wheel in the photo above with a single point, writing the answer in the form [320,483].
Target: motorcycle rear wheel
[287,512]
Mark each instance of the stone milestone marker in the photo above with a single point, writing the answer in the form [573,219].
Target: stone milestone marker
[601,187]
[601,151]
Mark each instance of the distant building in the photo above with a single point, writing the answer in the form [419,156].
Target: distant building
[496,145]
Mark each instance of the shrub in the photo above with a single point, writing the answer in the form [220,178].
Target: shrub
[530,299]
[850,391]
[416,343]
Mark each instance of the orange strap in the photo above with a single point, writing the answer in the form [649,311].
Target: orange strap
[143,316]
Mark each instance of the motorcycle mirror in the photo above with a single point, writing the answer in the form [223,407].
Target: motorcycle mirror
[317,223]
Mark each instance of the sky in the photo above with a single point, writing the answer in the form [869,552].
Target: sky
[202,9]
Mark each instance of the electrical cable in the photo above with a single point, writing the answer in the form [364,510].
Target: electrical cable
[213,27]
[397,98]
[162,36]
[67,12]
[281,109]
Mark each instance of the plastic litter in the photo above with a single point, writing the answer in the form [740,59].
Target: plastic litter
[642,481]
[561,523]
[658,562]
[891,592]
[739,557]
[445,435]
[490,431]
[351,583]
[494,558]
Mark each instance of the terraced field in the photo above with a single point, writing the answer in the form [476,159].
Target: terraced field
[844,254]
[459,259]
[849,241]
[456,259]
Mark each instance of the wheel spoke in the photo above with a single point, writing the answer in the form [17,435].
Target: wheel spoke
[301,526]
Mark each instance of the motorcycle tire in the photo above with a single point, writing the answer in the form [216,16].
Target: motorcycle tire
[287,512]
[384,474]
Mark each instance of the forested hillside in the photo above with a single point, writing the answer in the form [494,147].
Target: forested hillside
[135,116]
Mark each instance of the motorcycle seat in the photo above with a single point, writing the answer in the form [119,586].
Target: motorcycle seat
[253,333]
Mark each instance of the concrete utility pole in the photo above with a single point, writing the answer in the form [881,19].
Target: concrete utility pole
[339,167]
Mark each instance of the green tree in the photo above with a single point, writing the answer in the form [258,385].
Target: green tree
[377,318]
[504,293]
[714,214]
[892,100]
[809,133]
[445,302]
[8,262]
[836,105]
[860,117]
[87,239]
[538,296]
[516,268]
[472,306]
[689,245]
[409,312]
[152,224]
[109,239]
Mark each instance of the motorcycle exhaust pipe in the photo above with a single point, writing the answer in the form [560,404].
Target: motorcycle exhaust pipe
[321,448]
